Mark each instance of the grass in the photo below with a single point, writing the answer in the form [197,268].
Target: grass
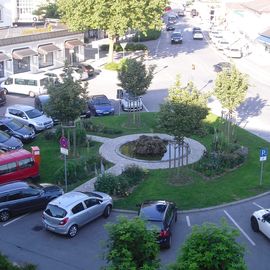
[190,190]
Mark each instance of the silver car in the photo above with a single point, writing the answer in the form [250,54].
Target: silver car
[129,102]
[29,116]
[67,213]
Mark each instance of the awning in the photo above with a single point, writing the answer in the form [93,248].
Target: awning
[20,54]
[45,49]
[264,39]
[70,44]
[3,57]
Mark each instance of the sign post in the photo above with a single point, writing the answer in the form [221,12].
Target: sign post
[64,150]
[263,157]
[123,45]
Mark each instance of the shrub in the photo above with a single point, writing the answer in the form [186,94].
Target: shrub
[129,47]
[149,35]
[49,134]
[134,173]
[80,135]
[5,264]
[106,183]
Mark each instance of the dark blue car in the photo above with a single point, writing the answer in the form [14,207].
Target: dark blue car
[100,105]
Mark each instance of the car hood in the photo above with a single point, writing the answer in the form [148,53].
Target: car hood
[50,187]
[103,195]
[260,213]
[103,107]
[11,143]
[42,119]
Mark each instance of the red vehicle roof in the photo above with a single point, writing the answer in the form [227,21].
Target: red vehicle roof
[13,155]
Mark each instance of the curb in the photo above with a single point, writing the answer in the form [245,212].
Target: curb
[203,209]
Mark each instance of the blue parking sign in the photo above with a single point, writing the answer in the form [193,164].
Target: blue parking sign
[263,154]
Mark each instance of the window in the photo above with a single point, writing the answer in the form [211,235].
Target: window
[26,163]
[91,202]
[21,65]
[29,192]
[7,168]
[15,196]
[78,208]
[9,81]
[45,60]
[4,128]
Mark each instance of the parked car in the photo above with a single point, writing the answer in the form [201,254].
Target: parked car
[86,68]
[3,97]
[16,129]
[170,27]
[176,37]
[223,66]
[233,52]
[160,216]
[100,105]
[222,44]
[26,84]
[260,221]
[8,142]
[19,197]
[181,13]
[29,116]
[18,165]
[128,102]
[168,9]
[67,213]
[197,34]
[194,12]
[172,19]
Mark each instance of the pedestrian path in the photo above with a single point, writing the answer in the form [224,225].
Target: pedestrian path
[110,150]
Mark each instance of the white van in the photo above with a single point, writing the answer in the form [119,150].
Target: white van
[26,83]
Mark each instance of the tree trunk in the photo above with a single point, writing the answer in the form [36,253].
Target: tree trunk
[111,43]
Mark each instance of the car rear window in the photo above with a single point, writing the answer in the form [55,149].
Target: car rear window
[55,211]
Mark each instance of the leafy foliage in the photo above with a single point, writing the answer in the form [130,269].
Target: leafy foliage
[183,112]
[131,246]
[5,264]
[47,11]
[134,77]
[231,88]
[151,34]
[211,247]
[67,99]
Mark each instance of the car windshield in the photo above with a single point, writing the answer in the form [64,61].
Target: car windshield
[14,125]
[176,35]
[3,137]
[101,101]
[34,113]
[55,211]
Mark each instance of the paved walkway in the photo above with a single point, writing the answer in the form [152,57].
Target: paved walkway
[110,151]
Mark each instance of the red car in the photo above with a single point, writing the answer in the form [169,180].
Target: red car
[86,68]
[168,8]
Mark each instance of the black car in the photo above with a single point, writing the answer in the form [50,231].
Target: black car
[172,19]
[176,37]
[100,105]
[223,66]
[19,197]
[16,129]
[170,27]
[8,142]
[2,96]
[160,216]
[195,29]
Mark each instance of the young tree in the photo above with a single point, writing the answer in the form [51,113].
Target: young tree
[47,11]
[211,247]
[131,246]
[184,110]
[115,17]
[230,89]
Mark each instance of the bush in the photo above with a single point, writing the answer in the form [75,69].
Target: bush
[106,183]
[49,134]
[5,264]
[134,173]
[149,35]
[129,47]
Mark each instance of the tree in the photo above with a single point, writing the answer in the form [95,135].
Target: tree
[115,17]
[131,246]
[230,89]
[67,99]
[184,110]
[47,11]
[211,247]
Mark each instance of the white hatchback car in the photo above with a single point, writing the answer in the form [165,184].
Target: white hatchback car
[260,221]
[29,116]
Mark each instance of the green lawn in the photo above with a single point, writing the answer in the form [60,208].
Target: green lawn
[195,193]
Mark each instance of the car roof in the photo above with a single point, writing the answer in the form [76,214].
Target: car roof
[69,199]
[21,107]
[98,96]
[177,33]
[13,186]
[154,210]
[43,97]
[29,76]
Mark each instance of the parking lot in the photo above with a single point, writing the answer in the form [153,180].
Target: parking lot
[24,239]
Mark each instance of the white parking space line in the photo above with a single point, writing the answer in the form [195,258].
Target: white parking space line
[188,221]
[145,108]
[258,205]
[15,219]
[240,229]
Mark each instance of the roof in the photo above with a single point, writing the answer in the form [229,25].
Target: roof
[14,154]
[259,6]
[68,200]
[266,33]
[12,186]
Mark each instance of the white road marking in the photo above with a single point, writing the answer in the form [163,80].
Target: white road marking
[145,108]
[239,228]
[188,221]
[15,219]
[258,205]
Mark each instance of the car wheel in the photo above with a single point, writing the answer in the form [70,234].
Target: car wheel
[123,107]
[73,230]
[169,243]
[5,91]
[31,126]
[107,211]
[254,224]
[4,216]
[31,94]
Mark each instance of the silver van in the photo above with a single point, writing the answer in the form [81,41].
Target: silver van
[26,84]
